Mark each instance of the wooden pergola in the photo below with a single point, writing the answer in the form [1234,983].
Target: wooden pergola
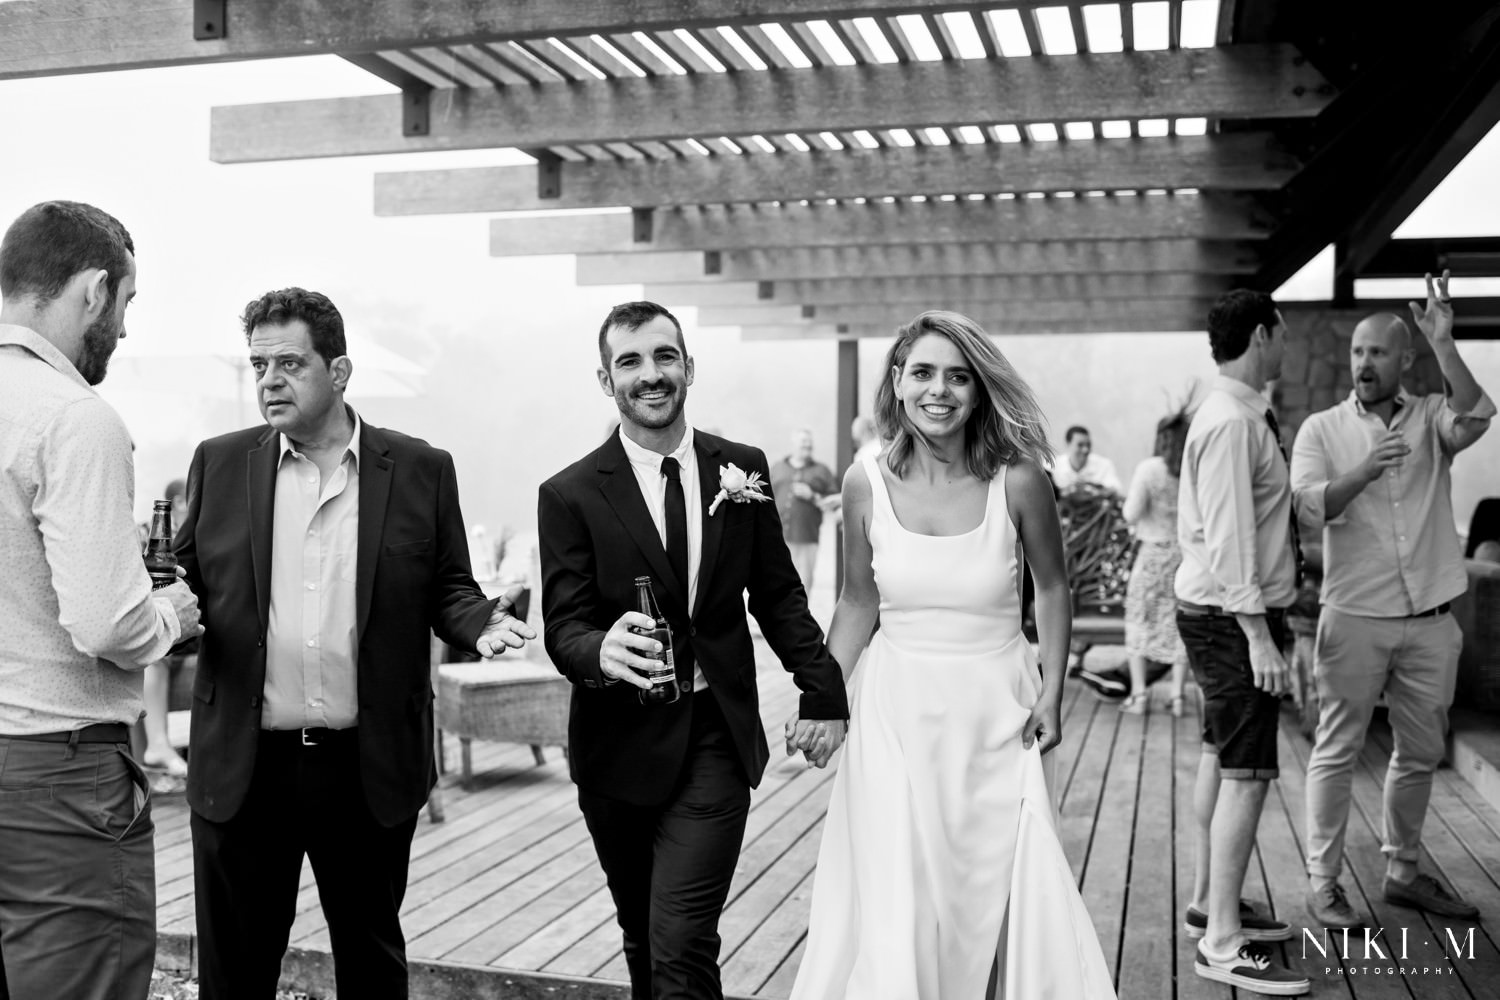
[826,168]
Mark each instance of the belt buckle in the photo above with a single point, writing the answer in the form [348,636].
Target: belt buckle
[306,730]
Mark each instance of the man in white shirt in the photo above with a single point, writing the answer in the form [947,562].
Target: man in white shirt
[77,861]
[1080,466]
[1237,577]
[1371,475]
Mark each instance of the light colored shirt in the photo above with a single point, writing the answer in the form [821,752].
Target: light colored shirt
[646,465]
[1096,471]
[311,651]
[1234,506]
[1394,550]
[77,619]
[1151,504]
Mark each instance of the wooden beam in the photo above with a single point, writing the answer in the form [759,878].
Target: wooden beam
[52,37]
[1246,161]
[996,314]
[931,260]
[1256,81]
[1221,217]
[934,292]
[831,331]
[1468,257]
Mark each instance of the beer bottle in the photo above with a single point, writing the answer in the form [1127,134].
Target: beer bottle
[160,562]
[663,675]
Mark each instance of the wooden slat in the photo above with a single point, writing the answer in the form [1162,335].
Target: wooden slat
[989,313]
[1246,161]
[761,226]
[934,292]
[1185,323]
[933,260]
[48,37]
[1261,81]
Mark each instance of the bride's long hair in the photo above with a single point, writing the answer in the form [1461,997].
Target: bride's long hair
[1006,425]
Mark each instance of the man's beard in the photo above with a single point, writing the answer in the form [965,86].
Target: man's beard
[99,342]
[632,409]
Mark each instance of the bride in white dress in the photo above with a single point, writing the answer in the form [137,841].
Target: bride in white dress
[940,875]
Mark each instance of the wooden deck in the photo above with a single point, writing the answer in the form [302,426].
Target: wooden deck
[509,881]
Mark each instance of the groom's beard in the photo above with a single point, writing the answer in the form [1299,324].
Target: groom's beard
[638,413]
[99,342]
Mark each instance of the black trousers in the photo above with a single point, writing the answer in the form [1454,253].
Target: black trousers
[302,801]
[669,866]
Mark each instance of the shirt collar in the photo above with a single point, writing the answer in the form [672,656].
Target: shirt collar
[352,450]
[1402,396]
[1242,392]
[646,457]
[44,349]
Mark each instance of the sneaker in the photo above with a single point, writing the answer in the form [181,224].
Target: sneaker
[1134,705]
[1424,893]
[1252,969]
[1255,926]
[1329,907]
[1103,686]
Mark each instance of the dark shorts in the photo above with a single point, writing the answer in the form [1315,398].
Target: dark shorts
[1239,719]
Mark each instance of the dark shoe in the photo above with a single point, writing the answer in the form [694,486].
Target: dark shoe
[1424,893]
[1330,908]
[1255,926]
[1104,686]
[1252,969]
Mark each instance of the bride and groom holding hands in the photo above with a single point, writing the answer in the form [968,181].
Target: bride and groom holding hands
[940,872]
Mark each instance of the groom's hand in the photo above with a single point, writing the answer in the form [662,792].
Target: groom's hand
[621,654]
[816,738]
[504,630]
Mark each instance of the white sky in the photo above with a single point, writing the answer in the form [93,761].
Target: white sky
[508,344]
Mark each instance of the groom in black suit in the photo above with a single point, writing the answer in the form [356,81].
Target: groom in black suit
[665,789]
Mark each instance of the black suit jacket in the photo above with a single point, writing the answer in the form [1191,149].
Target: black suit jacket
[597,536]
[412,574]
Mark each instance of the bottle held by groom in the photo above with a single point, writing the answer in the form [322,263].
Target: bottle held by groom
[665,788]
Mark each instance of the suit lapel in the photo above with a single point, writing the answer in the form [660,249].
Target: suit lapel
[260,500]
[623,493]
[376,469]
[707,450]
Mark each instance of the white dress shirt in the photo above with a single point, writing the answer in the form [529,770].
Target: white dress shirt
[646,465]
[1394,551]
[1234,506]
[1096,470]
[77,619]
[311,652]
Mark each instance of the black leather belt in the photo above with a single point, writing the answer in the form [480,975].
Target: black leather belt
[1441,609]
[99,732]
[310,736]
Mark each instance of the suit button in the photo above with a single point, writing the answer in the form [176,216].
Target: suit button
[260,641]
[684,686]
[255,701]
[692,631]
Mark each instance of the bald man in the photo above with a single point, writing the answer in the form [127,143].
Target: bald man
[1372,474]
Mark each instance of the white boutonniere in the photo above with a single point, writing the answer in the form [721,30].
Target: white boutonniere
[737,485]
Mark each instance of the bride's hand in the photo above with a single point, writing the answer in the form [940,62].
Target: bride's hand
[1044,724]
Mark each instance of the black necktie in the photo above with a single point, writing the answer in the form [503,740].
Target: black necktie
[1296,534]
[677,535]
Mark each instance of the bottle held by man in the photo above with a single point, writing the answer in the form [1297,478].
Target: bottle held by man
[160,562]
[663,676]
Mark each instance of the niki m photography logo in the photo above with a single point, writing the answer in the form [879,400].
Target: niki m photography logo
[1370,951]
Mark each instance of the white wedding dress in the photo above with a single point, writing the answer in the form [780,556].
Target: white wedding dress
[940,855]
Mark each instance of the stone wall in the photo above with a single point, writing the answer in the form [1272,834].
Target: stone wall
[1315,371]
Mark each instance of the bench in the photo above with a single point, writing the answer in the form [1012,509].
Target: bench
[506,700]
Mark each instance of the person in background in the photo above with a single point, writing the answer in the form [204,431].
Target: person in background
[866,436]
[1150,601]
[77,858]
[159,754]
[1081,467]
[1371,475]
[804,489]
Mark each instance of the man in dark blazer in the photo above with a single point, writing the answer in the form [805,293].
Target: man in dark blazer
[665,789]
[323,551]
